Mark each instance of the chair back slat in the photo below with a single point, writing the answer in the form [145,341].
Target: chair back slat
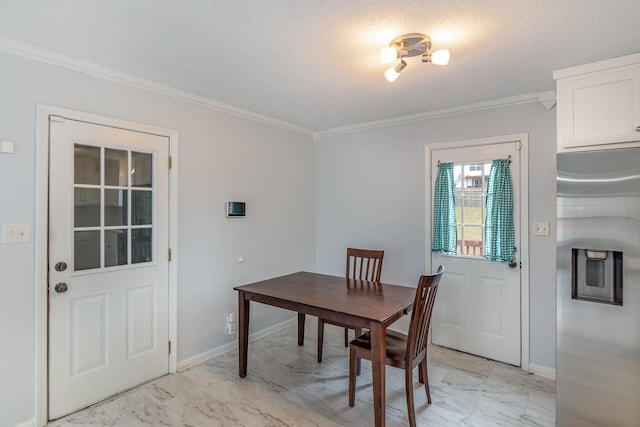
[418,336]
[364,264]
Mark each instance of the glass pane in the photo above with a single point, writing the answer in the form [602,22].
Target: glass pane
[86,209]
[141,207]
[458,204]
[472,243]
[86,164]
[141,239]
[459,241]
[115,247]
[86,250]
[115,207]
[115,167]
[141,169]
[457,176]
[473,201]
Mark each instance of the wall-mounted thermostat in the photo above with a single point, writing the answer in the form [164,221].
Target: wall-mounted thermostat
[235,209]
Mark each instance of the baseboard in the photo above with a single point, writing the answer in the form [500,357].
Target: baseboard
[30,423]
[543,371]
[214,352]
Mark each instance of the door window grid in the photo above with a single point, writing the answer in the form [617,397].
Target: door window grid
[470,198]
[114,189]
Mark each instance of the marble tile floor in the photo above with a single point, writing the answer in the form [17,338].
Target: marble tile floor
[285,386]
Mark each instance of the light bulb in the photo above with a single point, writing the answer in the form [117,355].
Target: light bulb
[393,72]
[440,57]
[391,75]
[388,54]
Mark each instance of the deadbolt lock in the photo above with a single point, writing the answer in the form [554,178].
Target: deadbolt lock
[61,266]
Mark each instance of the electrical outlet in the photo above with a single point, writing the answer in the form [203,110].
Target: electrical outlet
[232,325]
[17,233]
[232,329]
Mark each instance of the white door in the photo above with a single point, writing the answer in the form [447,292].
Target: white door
[478,305]
[108,262]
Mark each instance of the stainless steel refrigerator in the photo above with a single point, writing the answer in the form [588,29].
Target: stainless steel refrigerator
[598,285]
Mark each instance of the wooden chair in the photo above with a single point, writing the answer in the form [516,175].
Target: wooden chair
[403,351]
[362,264]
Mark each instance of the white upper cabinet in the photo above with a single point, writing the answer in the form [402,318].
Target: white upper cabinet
[599,105]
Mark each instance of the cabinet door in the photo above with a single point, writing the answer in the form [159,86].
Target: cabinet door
[598,109]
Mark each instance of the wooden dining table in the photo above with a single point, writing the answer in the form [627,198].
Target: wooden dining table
[357,303]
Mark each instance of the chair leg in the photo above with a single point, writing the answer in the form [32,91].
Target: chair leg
[408,375]
[346,337]
[352,377]
[300,329]
[320,338]
[358,360]
[425,376]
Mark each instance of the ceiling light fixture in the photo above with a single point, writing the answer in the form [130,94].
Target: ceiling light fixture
[409,45]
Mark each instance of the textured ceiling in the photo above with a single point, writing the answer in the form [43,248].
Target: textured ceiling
[314,63]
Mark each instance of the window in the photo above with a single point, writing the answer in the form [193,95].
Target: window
[470,196]
[113,207]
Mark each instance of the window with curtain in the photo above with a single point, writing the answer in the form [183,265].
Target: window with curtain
[471,215]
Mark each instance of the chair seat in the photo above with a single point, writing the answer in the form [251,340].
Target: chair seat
[396,342]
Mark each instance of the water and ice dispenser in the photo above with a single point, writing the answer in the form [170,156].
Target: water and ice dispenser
[596,275]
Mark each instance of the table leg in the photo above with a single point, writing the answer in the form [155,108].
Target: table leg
[300,329]
[378,368]
[243,332]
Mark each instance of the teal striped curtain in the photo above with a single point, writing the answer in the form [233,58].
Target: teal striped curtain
[444,211]
[499,234]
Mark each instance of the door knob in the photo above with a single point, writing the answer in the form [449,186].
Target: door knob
[513,264]
[61,287]
[61,266]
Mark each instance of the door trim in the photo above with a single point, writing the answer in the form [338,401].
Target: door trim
[41,236]
[523,139]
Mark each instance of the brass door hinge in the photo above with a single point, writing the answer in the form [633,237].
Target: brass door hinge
[169,346]
[170,162]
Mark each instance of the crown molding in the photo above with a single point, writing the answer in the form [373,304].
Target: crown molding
[23,50]
[547,99]
[528,98]
[593,67]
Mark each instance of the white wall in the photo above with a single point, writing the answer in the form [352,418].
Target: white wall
[370,193]
[222,157]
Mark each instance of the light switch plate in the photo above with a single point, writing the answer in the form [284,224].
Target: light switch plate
[541,229]
[17,233]
[6,147]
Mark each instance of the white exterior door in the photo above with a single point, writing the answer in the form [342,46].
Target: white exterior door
[478,308]
[108,262]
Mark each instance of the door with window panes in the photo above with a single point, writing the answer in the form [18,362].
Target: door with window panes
[478,305]
[108,266]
